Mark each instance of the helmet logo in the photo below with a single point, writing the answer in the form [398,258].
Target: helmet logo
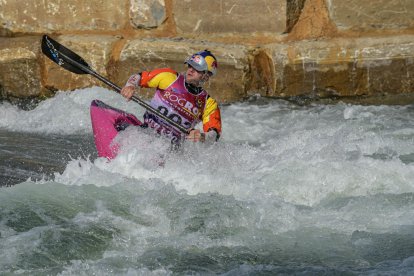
[197,59]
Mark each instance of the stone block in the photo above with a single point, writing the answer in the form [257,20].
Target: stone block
[147,14]
[95,50]
[372,15]
[20,75]
[39,16]
[344,67]
[148,54]
[231,16]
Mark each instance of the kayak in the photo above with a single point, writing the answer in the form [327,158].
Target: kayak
[107,122]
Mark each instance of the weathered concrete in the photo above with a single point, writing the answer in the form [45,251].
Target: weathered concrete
[147,14]
[337,67]
[278,48]
[20,74]
[39,16]
[372,15]
[230,16]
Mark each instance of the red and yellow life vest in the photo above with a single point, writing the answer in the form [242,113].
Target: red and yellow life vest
[174,101]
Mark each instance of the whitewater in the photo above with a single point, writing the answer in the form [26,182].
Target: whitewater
[289,189]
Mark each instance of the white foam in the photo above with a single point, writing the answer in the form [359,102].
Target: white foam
[273,153]
[65,113]
[299,154]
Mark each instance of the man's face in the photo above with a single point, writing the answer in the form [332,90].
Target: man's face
[195,77]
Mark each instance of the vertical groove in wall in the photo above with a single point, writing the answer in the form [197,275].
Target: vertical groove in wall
[261,75]
[293,11]
[313,22]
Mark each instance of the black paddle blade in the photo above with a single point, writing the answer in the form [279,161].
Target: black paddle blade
[60,55]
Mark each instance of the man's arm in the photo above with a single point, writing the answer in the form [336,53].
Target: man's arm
[212,120]
[158,78]
[211,124]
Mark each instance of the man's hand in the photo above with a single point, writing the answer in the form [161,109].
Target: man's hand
[127,92]
[196,136]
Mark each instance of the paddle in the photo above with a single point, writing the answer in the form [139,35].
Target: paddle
[76,64]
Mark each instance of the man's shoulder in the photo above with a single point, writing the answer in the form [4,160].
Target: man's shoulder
[163,70]
[158,71]
[211,101]
[158,75]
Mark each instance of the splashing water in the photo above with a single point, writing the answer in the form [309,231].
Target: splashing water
[320,189]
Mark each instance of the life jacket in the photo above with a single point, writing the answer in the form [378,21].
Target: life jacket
[178,104]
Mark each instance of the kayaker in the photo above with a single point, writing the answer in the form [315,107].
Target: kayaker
[182,98]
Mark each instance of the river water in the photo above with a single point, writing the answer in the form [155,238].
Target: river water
[316,189]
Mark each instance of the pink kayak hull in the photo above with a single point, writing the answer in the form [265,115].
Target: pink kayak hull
[107,122]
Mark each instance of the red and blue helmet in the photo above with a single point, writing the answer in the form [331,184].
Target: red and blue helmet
[203,61]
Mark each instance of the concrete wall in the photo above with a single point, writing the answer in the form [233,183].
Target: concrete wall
[279,48]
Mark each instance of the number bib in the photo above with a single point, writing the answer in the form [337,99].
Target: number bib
[178,104]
